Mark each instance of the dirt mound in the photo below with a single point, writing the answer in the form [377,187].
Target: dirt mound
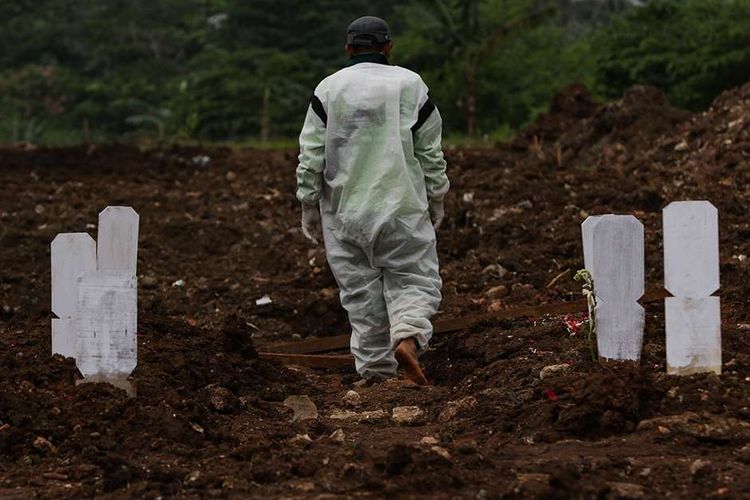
[192,385]
[568,107]
[579,133]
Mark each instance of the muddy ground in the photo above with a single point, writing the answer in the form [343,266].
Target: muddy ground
[210,418]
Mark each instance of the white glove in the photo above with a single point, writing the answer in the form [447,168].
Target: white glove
[311,222]
[437,211]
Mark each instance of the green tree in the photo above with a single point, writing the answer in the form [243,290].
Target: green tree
[693,49]
[461,35]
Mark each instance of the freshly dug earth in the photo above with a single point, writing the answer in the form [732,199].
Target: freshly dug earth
[210,418]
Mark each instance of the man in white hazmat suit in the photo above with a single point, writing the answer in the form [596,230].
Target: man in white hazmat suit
[372,174]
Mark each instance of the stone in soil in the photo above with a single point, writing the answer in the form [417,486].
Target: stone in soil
[303,408]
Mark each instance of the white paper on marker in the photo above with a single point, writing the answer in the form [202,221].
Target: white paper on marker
[106,324]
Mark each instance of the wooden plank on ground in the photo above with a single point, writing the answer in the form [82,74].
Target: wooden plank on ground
[310,361]
[324,344]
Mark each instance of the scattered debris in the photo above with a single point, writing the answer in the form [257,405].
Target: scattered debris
[626,491]
[264,301]
[365,416]
[337,436]
[352,398]
[429,441]
[550,370]
[704,426]
[496,292]
[200,161]
[441,452]
[45,446]
[221,399]
[454,408]
[149,281]
[179,284]
[303,408]
[408,415]
[301,439]
[700,467]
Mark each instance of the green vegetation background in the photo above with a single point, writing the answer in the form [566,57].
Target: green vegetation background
[243,71]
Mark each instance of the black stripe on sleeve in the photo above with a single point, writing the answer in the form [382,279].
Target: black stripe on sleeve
[424,114]
[317,106]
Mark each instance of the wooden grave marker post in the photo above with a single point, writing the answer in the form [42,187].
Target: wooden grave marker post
[117,241]
[587,229]
[615,257]
[107,346]
[691,274]
[94,292]
[72,255]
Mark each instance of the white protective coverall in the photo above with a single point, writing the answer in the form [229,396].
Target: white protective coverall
[370,154]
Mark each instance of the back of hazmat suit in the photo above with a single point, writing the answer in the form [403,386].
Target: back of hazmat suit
[371,157]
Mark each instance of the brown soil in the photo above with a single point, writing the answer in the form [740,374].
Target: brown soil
[210,419]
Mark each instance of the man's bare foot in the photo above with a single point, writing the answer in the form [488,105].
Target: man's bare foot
[406,355]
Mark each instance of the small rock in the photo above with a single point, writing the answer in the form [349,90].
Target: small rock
[442,452]
[352,398]
[429,440]
[550,370]
[454,408]
[626,490]
[301,439]
[338,436]
[179,284]
[495,307]
[221,399]
[39,209]
[704,426]
[496,292]
[303,408]
[495,270]
[700,467]
[193,476]
[407,415]
[45,446]
[149,282]
[525,204]
[231,176]
[365,416]
[683,146]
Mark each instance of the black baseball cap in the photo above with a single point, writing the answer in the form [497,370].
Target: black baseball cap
[367,31]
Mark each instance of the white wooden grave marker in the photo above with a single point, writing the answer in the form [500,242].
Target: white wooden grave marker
[587,229]
[73,254]
[95,285]
[614,254]
[691,274]
[117,241]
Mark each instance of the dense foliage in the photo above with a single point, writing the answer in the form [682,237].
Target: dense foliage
[73,70]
